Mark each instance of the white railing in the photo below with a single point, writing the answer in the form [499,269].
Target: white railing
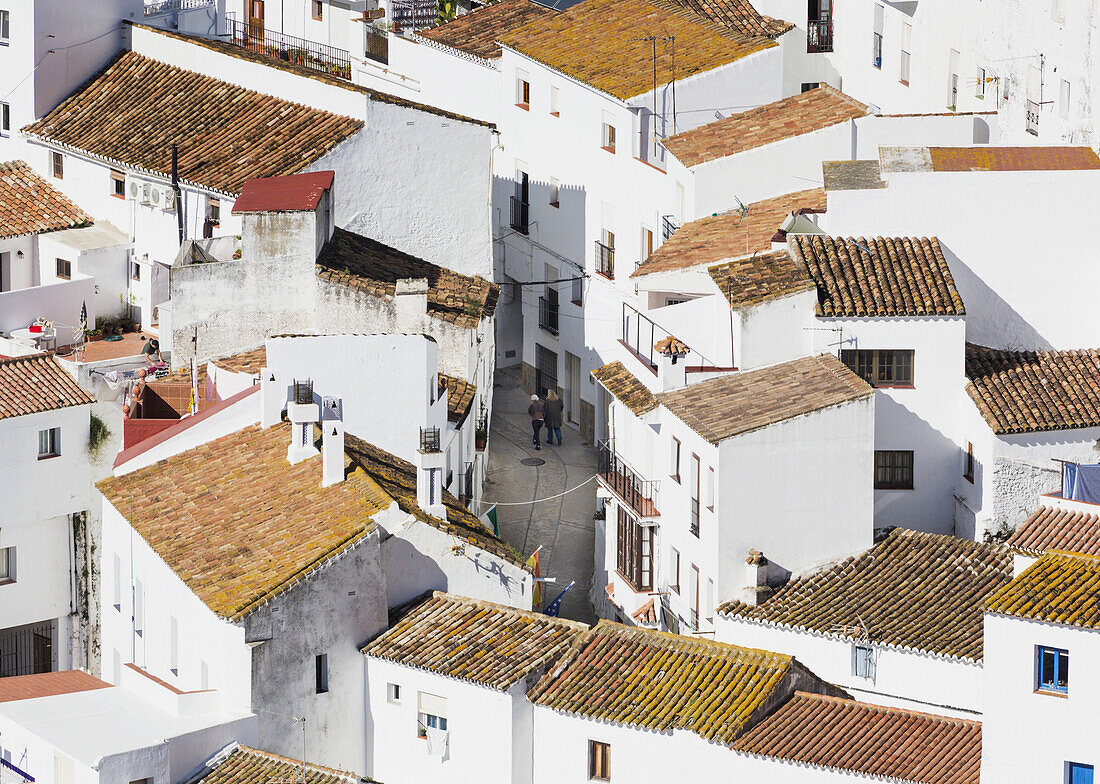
[173,6]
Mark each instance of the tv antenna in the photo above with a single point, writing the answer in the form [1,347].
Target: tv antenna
[653,39]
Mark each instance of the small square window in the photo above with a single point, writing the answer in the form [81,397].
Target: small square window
[7,565]
[609,137]
[5,19]
[393,693]
[135,271]
[523,91]
[321,673]
[555,192]
[318,10]
[58,161]
[893,469]
[1053,670]
[863,661]
[49,443]
[118,184]
[807,86]
[554,102]
[599,761]
[64,269]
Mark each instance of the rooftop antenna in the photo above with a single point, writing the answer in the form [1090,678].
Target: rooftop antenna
[653,39]
[301,763]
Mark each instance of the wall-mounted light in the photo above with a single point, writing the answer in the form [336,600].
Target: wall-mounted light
[19,254]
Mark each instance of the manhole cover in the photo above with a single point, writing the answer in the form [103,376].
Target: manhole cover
[532,461]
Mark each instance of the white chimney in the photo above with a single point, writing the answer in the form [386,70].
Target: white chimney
[669,375]
[756,587]
[332,442]
[303,416]
[431,461]
[410,296]
[272,397]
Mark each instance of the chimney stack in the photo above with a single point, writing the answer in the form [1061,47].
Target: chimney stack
[332,442]
[756,588]
[303,414]
[272,397]
[670,373]
[429,473]
[410,296]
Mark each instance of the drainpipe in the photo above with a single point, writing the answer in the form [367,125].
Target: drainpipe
[176,188]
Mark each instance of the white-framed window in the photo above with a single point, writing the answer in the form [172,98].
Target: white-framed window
[674,461]
[647,242]
[7,564]
[139,608]
[674,570]
[607,132]
[431,713]
[1063,99]
[599,761]
[555,192]
[318,10]
[710,600]
[204,675]
[863,661]
[876,40]
[5,118]
[135,271]
[393,693]
[523,90]
[49,443]
[5,30]
[116,593]
[554,97]
[57,161]
[174,645]
[320,668]
[903,58]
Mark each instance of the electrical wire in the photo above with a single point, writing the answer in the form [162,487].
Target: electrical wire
[483,502]
[54,51]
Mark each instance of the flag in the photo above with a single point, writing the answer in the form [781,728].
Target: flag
[554,608]
[84,316]
[489,519]
[536,592]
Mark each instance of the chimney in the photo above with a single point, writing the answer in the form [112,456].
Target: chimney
[303,414]
[756,588]
[272,397]
[332,442]
[410,296]
[429,473]
[670,372]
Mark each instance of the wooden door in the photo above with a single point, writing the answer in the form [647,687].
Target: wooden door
[256,19]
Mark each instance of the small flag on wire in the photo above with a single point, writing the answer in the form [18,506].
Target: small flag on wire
[84,316]
[489,519]
[554,608]
[536,591]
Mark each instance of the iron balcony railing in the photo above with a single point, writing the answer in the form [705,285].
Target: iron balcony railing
[694,619]
[1032,118]
[668,227]
[605,260]
[429,439]
[694,524]
[376,44]
[413,15]
[876,54]
[300,51]
[172,6]
[639,494]
[466,485]
[548,315]
[819,35]
[303,392]
[520,211]
[27,650]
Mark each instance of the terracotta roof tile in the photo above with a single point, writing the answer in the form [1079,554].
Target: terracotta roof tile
[661,681]
[459,397]
[887,743]
[625,386]
[1013,158]
[477,32]
[244,765]
[134,109]
[1057,588]
[737,15]
[906,276]
[1028,391]
[598,42]
[366,265]
[737,403]
[799,114]
[289,193]
[237,523]
[912,590]
[30,205]
[475,640]
[751,280]
[251,362]
[37,383]
[729,234]
[48,684]
[1052,528]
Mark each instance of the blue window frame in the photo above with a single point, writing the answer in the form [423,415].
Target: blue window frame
[1053,670]
[1078,773]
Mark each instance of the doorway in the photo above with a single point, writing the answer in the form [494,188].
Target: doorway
[256,19]
[572,388]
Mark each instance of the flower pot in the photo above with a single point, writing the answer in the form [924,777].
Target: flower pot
[479,443]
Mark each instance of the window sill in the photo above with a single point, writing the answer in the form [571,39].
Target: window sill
[119,196]
[894,488]
[525,106]
[555,114]
[1063,695]
[555,204]
[903,82]
[48,457]
[608,149]
[675,478]
[604,275]
[577,302]
[6,582]
[893,386]
[969,479]
[63,277]
[650,165]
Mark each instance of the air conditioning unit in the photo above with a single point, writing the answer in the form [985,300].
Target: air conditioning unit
[156,196]
[146,192]
[168,199]
[133,189]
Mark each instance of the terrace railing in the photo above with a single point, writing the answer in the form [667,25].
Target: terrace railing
[289,48]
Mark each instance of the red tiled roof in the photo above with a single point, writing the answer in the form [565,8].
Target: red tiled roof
[37,383]
[460,396]
[289,193]
[799,114]
[477,32]
[871,740]
[737,15]
[48,684]
[30,205]
[244,765]
[903,276]
[1028,391]
[750,280]
[227,134]
[1052,528]
[626,387]
[1058,588]
[729,234]
[960,159]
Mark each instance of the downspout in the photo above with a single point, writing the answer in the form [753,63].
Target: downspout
[176,189]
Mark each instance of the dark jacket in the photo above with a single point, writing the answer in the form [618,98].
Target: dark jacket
[552,409]
[535,410]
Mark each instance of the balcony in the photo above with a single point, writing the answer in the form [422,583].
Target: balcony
[466,485]
[1032,126]
[819,36]
[605,260]
[429,439]
[668,227]
[288,48]
[376,44]
[548,315]
[174,6]
[520,211]
[626,483]
[412,15]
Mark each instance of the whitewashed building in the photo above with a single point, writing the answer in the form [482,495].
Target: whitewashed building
[776,460]
[45,426]
[897,625]
[1036,627]
[1025,412]
[71,728]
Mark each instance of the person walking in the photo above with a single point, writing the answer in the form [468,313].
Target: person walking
[552,409]
[537,416]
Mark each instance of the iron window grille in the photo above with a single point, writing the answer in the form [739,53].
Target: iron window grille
[520,215]
[299,51]
[548,312]
[605,260]
[303,392]
[429,439]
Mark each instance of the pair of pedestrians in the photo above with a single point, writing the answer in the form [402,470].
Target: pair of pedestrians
[546,412]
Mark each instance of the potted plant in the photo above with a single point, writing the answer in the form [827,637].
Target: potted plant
[480,437]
